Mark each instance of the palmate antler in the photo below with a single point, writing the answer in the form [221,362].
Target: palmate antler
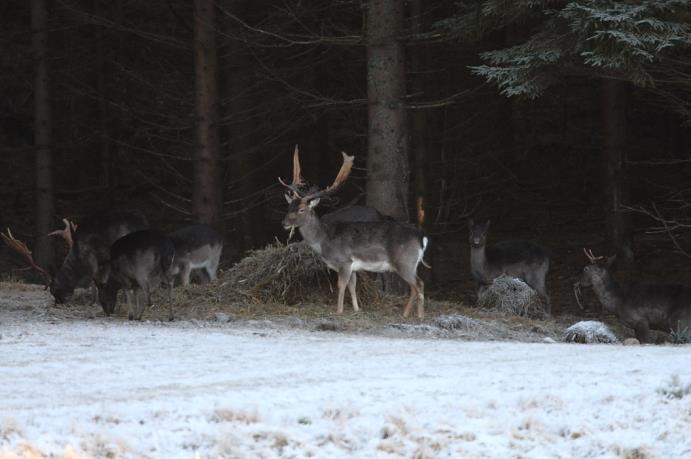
[592,258]
[341,177]
[22,249]
[66,233]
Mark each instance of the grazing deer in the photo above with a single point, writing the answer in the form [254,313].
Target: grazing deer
[89,247]
[196,247]
[139,261]
[350,246]
[524,260]
[641,306]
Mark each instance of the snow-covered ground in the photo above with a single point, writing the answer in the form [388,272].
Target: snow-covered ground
[108,388]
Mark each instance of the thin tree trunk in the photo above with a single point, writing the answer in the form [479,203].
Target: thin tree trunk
[45,200]
[387,155]
[206,193]
[614,94]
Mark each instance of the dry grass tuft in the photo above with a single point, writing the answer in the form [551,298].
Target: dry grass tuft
[511,296]
[287,274]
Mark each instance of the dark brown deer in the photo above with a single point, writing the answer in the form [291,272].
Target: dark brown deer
[139,263]
[524,260]
[640,306]
[89,247]
[350,246]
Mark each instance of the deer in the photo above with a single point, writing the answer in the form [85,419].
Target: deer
[139,263]
[197,247]
[524,260]
[89,247]
[351,246]
[638,305]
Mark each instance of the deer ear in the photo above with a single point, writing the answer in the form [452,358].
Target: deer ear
[313,203]
[488,223]
[288,198]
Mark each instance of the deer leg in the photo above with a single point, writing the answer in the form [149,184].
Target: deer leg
[343,279]
[185,275]
[352,284]
[642,333]
[420,299]
[170,300]
[409,304]
[212,269]
[129,293]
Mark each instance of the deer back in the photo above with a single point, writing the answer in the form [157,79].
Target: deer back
[354,214]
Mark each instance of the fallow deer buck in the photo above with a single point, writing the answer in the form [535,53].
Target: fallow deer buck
[524,260]
[350,246]
[89,247]
[197,247]
[139,262]
[640,306]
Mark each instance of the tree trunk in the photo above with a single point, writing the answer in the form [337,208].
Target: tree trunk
[238,79]
[614,93]
[206,193]
[45,199]
[387,155]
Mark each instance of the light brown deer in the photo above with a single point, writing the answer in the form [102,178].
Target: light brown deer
[350,246]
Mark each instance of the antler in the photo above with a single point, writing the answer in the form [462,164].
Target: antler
[339,180]
[297,178]
[21,248]
[592,258]
[66,233]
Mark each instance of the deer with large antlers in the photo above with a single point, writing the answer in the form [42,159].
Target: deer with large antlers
[641,306]
[350,246]
[89,247]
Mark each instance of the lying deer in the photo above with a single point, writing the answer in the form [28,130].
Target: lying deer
[139,262]
[524,260]
[350,246]
[641,306]
[196,247]
[89,247]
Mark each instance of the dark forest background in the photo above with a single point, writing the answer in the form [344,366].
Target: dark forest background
[567,122]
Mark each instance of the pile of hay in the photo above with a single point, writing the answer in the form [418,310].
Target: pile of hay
[289,274]
[512,296]
[589,332]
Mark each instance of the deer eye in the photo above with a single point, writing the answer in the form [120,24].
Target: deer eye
[301,211]
[586,269]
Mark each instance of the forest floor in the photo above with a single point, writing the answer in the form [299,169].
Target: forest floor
[238,381]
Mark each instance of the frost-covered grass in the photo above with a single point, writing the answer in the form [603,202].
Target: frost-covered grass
[107,388]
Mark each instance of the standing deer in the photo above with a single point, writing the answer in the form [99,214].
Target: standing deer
[139,262]
[641,306]
[524,260]
[89,247]
[196,247]
[350,246]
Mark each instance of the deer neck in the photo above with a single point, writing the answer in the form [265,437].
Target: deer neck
[608,292]
[478,262]
[313,233]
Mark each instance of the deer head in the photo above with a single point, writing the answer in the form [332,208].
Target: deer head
[595,271]
[301,206]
